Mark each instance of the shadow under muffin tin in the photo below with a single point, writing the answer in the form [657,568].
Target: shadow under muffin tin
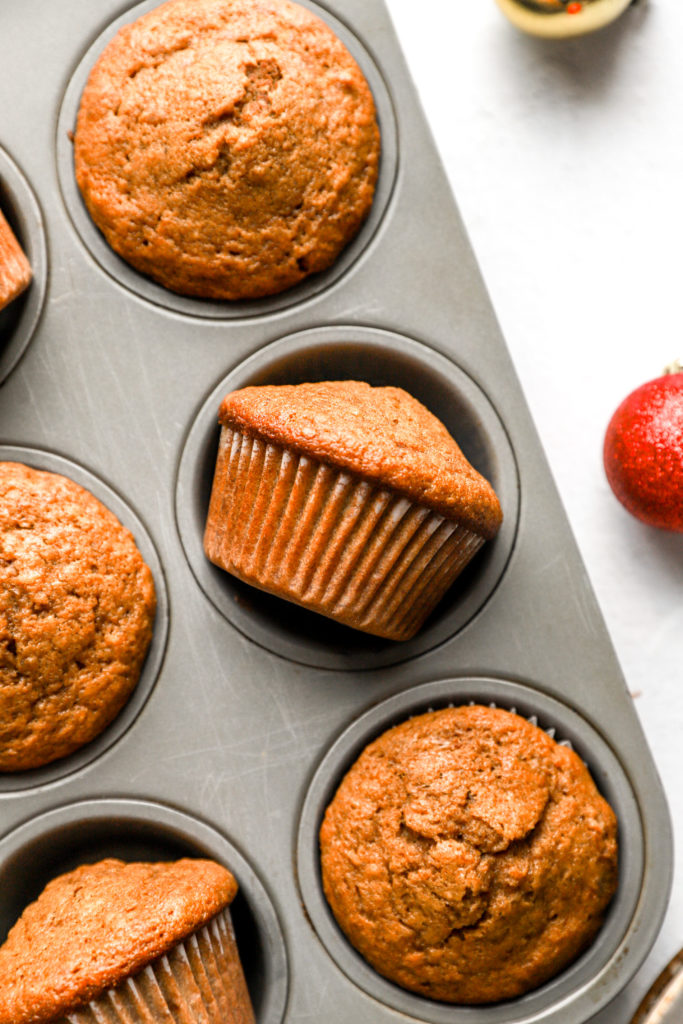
[254,708]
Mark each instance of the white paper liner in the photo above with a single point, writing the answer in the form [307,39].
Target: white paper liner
[200,981]
[315,535]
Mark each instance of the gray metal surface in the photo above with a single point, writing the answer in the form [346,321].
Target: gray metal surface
[249,709]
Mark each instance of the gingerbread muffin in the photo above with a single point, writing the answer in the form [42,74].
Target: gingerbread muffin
[77,605]
[15,270]
[350,500]
[227,148]
[127,944]
[468,856]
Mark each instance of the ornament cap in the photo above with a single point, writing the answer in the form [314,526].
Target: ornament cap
[675,367]
[562,19]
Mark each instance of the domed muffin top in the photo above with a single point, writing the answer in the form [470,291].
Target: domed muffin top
[468,856]
[381,433]
[95,926]
[227,148]
[77,606]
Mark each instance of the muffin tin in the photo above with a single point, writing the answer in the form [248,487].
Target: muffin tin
[249,709]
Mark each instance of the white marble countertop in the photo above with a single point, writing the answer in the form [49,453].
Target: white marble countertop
[566,159]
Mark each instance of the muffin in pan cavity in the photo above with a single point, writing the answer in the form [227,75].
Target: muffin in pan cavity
[128,942]
[129,911]
[351,500]
[468,856]
[78,604]
[227,150]
[388,365]
[457,846]
[23,264]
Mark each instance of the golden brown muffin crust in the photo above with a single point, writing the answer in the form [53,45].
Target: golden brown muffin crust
[468,856]
[95,926]
[382,434]
[77,605]
[227,148]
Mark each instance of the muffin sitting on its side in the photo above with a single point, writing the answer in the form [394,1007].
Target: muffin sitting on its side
[227,148]
[127,944]
[350,500]
[468,856]
[77,605]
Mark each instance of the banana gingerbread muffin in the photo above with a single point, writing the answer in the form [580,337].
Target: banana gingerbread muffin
[350,500]
[77,605]
[226,148]
[127,944]
[468,856]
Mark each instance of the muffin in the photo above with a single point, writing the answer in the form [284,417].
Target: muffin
[15,270]
[227,148]
[77,606]
[127,944]
[468,856]
[350,500]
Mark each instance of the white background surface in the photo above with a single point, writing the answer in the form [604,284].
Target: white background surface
[566,159]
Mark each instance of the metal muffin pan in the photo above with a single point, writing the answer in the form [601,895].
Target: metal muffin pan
[255,708]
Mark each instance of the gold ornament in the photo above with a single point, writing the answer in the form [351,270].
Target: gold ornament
[560,19]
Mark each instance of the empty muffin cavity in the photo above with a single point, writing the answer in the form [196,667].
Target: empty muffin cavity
[139,831]
[567,989]
[19,319]
[379,358]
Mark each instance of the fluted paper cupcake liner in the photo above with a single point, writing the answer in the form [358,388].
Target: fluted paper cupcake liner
[200,981]
[324,539]
[15,271]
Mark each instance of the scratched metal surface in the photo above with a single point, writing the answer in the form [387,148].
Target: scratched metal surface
[248,710]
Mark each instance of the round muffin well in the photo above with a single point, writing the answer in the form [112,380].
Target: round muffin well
[64,839]
[350,500]
[468,856]
[383,359]
[227,150]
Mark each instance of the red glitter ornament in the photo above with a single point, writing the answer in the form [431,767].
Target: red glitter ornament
[643,452]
